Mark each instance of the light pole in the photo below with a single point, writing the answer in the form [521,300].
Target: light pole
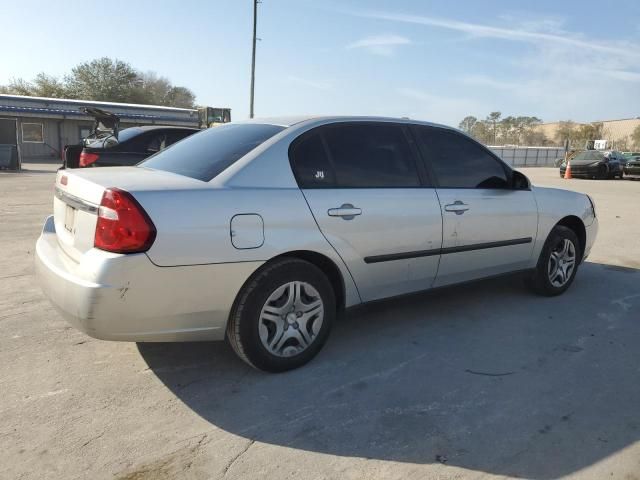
[253,57]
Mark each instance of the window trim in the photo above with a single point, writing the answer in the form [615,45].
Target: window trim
[424,177]
[429,166]
[32,123]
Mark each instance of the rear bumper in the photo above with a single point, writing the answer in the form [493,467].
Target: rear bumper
[126,297]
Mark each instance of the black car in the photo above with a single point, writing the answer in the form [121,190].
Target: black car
[632,168]
[109,146]
[596,164]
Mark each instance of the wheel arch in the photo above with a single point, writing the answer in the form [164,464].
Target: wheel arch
[324,263]
[577,225]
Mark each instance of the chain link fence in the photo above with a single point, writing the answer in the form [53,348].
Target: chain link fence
[529,156]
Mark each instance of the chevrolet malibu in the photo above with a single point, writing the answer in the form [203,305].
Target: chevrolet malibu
[261,232]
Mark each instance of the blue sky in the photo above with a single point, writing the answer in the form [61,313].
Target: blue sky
[436,61]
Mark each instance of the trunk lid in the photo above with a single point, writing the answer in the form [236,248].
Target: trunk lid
[78,194]
[104,123]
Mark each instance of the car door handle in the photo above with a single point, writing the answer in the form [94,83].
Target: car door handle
[346,211]
[458,207]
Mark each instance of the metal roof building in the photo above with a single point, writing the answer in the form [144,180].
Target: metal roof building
[39,127]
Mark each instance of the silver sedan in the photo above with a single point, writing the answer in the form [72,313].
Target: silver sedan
[260,232]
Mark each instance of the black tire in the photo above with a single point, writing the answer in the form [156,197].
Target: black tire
[539,281]
[243,326]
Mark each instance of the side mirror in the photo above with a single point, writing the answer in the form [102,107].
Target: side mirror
[519,181]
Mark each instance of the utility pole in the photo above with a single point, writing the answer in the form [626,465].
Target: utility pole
[253,57]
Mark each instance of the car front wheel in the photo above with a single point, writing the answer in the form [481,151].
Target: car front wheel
[283,316]
[558,262]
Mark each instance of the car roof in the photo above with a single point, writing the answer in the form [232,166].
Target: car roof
[288,121]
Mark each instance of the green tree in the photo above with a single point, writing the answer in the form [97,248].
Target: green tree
[521,130]
[536,138]
[566,132]
[180,97]
[525,128]
[48,86]
[635,137]
[494,119]
[467,124]
[105,79]
[508,130]
[482,132]
[18,86]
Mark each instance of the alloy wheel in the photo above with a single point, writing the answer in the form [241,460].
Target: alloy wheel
[562,262]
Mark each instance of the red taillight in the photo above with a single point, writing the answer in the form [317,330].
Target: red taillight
[87,159]
[123,225]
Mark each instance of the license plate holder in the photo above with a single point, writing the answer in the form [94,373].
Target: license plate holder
[69,218]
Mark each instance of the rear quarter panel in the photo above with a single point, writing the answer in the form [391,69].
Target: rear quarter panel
[194,227]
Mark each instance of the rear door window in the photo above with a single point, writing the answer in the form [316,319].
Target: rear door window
[355,155]
[310,162]
[206,154]
[459,162]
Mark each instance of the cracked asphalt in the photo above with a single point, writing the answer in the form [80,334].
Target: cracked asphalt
[481,381]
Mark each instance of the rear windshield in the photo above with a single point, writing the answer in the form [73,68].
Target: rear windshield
[128,133]
[589,155]
[204,155]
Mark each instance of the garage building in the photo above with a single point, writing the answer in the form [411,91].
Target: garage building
[36,129]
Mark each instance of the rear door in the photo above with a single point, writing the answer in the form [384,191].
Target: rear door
[372,201]
[488,227]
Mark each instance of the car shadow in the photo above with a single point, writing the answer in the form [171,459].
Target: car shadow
[485,376]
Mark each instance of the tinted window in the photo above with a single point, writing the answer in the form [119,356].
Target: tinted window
[129,133]
[154,143]
[371,155]
[310,163]
[458,162]
[592,155]
[174,136]
[206,154]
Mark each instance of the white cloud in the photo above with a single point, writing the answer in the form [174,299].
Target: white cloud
[384,45]
[560,75]
[421,104]
[515,34]
[315,83]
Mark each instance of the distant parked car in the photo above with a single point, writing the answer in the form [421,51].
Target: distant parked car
[596,164]
[260,232]
[108,146]
[632,167]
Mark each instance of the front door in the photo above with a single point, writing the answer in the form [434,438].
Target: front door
[488,227]
[370,198]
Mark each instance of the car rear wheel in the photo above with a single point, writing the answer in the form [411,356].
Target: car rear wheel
[283,316]
[558,262]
